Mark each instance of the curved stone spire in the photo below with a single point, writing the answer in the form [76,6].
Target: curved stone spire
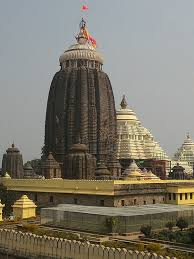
[82,100]
[12,162]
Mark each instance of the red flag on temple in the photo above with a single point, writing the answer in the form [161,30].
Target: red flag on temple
[93,41]
[84,7]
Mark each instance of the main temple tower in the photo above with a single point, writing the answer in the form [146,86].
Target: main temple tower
[81,107]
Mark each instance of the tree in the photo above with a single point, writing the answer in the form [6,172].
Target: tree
[146,230]
[112,224]
[153,247]
[191,234]
[170,225]
[182,223]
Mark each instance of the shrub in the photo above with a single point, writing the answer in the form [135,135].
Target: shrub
[191,234]
[182,223]
[146,230]
[84,238]
[66,235]
[57,234]
[51,233]
[172,237]
[153,247]
[140,247]
[30,227]
[115,244]
[170,225]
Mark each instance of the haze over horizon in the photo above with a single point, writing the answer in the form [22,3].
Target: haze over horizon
[148,49]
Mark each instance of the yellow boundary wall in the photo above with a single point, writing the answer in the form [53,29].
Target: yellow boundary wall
[94,187]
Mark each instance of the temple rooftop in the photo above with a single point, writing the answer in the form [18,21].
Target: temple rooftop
[135,141]
[185,152]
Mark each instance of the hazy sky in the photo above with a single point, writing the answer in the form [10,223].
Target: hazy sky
[148,49]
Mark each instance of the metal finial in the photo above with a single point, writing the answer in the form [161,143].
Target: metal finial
[82,35]
[123,103]
[82,24]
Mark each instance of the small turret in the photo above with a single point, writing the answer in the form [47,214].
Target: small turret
[102,173]
[79,164]
[132,172]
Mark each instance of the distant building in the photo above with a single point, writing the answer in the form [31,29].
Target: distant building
[29,172]
[186,152]
[13,163]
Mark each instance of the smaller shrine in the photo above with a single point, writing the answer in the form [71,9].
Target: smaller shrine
[178,173]
[102,172]
[12,162]
[51,168]
[186,151]
[132,172]
[79,164]
[29,172]
[24,208]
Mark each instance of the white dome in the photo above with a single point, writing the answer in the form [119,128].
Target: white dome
[81,51]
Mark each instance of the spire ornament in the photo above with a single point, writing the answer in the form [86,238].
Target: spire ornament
[123,103]
[82,37]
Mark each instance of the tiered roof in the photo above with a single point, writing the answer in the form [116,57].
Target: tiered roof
[135,141]
[186,152]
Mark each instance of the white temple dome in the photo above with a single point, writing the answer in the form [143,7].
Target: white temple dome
[81,51]
[135,141]
[186,152]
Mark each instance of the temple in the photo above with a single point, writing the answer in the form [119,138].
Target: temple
[94,156]
[81,108]
[185,154]
[13,162]
[135,142]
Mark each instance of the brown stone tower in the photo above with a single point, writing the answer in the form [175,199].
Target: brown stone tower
[81,104]
[13,163]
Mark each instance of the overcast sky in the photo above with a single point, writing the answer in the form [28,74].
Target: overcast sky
[148,49]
